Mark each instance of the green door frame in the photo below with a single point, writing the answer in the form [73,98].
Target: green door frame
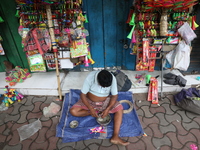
[11,38]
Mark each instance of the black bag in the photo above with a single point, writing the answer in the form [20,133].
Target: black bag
[188,99]
[123,82]
[174,80]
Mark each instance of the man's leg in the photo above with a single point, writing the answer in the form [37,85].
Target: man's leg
[79,112]
[117,123]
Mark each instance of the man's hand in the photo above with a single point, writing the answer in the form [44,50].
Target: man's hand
[105,113]
[93,112]
[113,100]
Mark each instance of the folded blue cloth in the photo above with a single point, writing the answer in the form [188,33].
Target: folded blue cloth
[130,126]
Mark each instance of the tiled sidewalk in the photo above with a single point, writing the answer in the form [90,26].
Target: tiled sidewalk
[167,127]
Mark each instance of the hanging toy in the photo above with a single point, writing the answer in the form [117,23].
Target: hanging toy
[85,16]
[86,20]
[86,62]
[133,40]
[194,24]
[130,16]
[90,57]
[131,33]
[1,19]
[17,12]
[132,21]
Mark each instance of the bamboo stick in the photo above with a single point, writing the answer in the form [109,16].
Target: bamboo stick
[54,46]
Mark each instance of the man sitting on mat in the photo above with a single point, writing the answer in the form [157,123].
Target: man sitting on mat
[95,98]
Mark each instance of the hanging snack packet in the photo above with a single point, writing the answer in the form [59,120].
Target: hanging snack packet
[36,63]
[79,48]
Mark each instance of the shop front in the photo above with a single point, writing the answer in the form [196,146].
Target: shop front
[107,39]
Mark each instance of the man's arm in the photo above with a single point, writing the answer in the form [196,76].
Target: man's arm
[92,110]
[113,100]
[114,96]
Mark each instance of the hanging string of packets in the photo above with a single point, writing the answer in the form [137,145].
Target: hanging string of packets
[148,23]
[1,47]
[152,5]
[33,13]
[68,21]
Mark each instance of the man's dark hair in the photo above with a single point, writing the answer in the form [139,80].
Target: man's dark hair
[104,78]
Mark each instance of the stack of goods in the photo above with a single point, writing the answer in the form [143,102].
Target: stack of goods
[17,75]
[68,25]
[155,27]
[10,96]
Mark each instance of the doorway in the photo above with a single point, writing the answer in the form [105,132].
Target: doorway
[107,33]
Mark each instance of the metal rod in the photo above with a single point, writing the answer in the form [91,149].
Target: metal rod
[161,92]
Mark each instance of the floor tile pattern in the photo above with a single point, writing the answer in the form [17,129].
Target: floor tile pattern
[167,126]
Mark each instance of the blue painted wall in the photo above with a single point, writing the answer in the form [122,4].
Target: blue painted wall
[107,27]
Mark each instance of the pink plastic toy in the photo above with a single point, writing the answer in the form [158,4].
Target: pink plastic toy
[193,147]
[86,61]
[97,130]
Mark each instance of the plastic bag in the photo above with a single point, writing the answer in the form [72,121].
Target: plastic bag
[28,130]
[47,37]
[187,33]
[170,57]
[182,56]
[63,41]
[3,107]
[52,110]
[188,99]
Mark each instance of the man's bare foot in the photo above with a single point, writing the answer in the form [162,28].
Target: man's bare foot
[118,141]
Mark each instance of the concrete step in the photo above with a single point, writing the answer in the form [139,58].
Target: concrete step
[46,84]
